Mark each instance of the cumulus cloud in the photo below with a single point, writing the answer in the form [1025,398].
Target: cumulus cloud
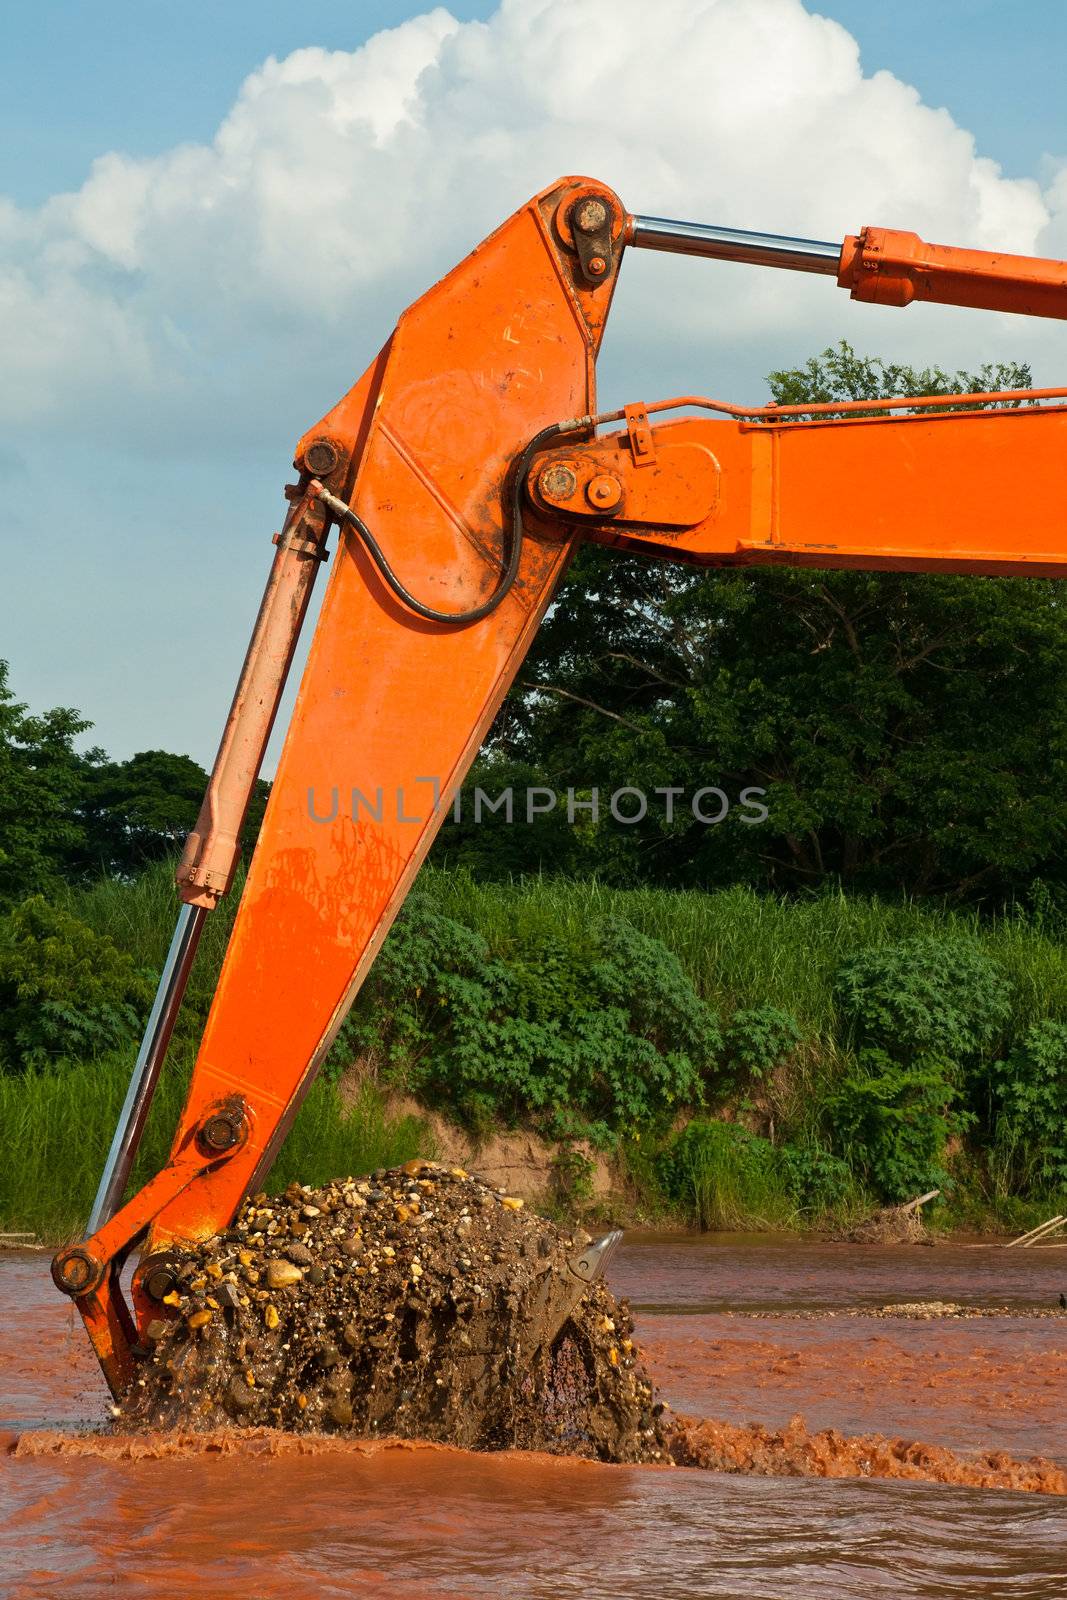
[228,284]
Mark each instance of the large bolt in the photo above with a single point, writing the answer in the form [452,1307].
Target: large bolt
[589,215]
[557,483]
[221,1131]
[603,492]
[321,456]
[158,1281]
[76,1271]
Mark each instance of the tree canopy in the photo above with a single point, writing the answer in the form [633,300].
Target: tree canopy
[909,730]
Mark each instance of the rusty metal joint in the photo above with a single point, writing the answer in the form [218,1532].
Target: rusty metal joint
[224,1129]
[77,1271]
[303,547]
[591,218]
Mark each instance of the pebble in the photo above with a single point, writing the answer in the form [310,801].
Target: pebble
[240,1396]
[280,1274]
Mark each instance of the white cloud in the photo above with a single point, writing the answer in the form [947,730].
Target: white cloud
[242,282]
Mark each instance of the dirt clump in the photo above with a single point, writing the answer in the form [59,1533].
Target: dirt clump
[416,1303]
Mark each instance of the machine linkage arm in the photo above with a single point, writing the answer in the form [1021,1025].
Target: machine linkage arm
[880,265]
[463,470]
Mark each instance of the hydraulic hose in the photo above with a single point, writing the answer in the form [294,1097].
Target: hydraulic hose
[510,572]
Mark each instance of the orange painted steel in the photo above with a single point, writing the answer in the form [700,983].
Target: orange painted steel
[971,491]
[391,708]
[429,453]
[891,268]
[209,859]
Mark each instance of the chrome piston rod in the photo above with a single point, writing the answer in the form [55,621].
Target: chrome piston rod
[736,244]
[147,1067]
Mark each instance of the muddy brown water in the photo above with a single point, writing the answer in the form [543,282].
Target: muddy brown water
[417,1521]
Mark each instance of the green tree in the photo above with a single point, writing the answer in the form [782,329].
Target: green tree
[41,781]
[141,810]
[65,991]
[910,730]
[138,810]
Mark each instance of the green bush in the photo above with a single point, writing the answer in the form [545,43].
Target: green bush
[894,1122]
[1031,1095]
[585,1037]
[65,991]
[928,996]
[723,1176]
[760,1038]
[816,1181]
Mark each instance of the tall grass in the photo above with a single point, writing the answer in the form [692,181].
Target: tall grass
[743,949]
[739,948]
[56,1126]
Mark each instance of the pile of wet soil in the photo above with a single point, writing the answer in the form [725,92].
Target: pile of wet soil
[794,1452]
[419,1303]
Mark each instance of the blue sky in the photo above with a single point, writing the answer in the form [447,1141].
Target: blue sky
[135,328]
[84,76]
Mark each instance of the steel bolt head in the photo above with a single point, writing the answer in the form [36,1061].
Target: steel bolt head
[75,1271]
[589,215]
[220,1132]
[597,266]
[557,482]
[158,1282]
[603,491]
[321,456]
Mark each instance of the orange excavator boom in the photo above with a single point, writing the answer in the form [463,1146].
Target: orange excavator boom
[461,472]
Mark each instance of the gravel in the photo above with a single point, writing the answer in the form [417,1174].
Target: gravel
[416,1302]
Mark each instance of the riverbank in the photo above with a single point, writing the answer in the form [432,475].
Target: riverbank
[717,1059]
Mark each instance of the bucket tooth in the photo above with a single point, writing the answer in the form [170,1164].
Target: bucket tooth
[591,1264]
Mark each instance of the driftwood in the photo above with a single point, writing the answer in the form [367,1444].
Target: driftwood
[901,1224]
[1027,1239]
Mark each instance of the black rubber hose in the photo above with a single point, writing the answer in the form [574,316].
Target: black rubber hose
[514,553]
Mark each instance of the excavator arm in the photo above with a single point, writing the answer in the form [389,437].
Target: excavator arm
[461,473]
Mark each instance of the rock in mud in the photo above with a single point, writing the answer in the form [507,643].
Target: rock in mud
[416,1303]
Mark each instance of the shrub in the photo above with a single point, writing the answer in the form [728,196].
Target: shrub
[724,1176]
[815,1180]
[761,1038]
[585,1038]
[924,997]
[894,1122]
[64,990]
[1031,1095]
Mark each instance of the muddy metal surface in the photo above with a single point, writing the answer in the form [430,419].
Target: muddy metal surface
[417,1520]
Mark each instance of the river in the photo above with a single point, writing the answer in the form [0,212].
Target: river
[745,1329]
